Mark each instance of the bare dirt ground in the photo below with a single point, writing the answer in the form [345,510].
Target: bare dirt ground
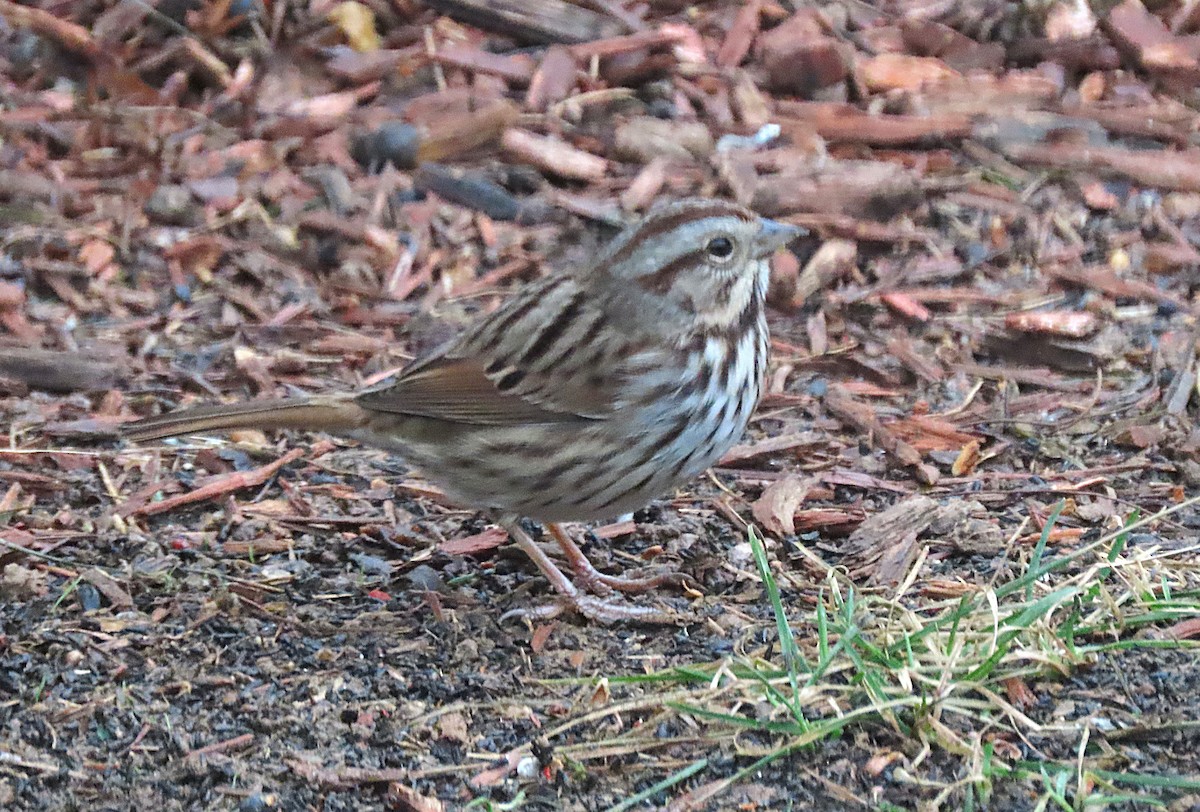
[984,369]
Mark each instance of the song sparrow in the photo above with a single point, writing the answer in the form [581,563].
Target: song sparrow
[583,397]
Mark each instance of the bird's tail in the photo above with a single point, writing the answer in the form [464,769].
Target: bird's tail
[312,414]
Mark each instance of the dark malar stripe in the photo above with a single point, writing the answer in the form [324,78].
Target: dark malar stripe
[760,358]
[726,290]
[746,322]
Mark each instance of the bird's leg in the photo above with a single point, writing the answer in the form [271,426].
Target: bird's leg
[597,581]
[590,606]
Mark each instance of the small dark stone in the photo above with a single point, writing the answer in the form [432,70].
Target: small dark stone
[395,142]
[334,185]
[250,9]
[89,597]
[328,252]
[468,189]
[371,564]
[410,195]
[650,514]
[240,460]
[720,646]
[255,803]
[520,179]
[973,253]
[24,53]
[426,577]
[177,10]
[661,108]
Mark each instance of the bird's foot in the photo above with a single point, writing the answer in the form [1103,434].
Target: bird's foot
[601,583]
[603,609]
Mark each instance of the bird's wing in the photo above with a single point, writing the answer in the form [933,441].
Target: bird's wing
[536,359]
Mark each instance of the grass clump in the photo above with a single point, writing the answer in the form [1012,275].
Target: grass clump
[947,682]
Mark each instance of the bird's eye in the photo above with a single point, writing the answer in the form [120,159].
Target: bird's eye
[719,248]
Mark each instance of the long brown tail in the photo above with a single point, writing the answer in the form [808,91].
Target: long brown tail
[315,414]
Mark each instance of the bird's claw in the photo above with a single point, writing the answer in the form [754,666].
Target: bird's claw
[594,608]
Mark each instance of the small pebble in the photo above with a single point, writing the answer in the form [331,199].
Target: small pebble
[468,189]
[527,768]
[371,564]
[89,597]
[642,139]
[765,135]
[426,577]
[662,108]
[24,53]
[256,803]
[171,204]
[394,142]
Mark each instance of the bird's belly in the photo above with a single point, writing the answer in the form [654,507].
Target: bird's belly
[579,471]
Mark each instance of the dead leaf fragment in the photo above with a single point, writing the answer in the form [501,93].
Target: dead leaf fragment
[644,138]
[20,583]
[407,799]
[1065,323]
[1097,196]
[907,306]
[775,510]
[1019,693]
[1184,630]
[96,256]
[968,458]
[109,587]
[489,539]
[540,635]
[1141,436]
[885,72]
[553,155]
[453,726]
[880,762]
[357,22]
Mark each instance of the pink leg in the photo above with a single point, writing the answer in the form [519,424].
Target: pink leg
[597,581]
[590,606]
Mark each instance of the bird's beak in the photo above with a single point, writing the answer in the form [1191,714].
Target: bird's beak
[774,235]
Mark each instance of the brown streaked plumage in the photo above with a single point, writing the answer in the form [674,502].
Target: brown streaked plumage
[583,397]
